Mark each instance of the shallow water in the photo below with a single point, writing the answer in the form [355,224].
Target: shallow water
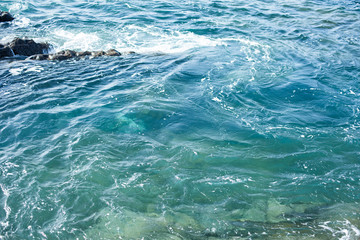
[233,120]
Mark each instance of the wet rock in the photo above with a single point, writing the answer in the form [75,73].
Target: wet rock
[98,53]
[5,17]
[5,51]
[56,57]
[27,47]
[39,57]
[69,54]
[112,52]
[83,54]
[62,55]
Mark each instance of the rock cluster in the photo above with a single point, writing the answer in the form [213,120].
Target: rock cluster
[5,51]
[27,47]
[23,47]
[5,17]
[39,51]
[67,54]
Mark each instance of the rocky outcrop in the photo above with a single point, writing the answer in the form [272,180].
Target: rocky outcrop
[27,47]
[39,51]
[5,51]
[5,17]
[23,47]
[68,54]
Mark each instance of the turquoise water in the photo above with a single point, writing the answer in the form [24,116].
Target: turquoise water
[233,120]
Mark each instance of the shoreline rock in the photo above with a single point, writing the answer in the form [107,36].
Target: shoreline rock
[6,51]
[23,47]
[6,17]
[68,54]
[39,51]
[27,47]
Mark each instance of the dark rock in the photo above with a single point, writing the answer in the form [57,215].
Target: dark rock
[98,53]
[5,51]
[5,17]
[58,57]
[37,51]
[27,47]
[62,55]
[83,54]
[39,57]
[68,54]
[112,52]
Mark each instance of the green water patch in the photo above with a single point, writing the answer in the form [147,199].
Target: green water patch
[263,220]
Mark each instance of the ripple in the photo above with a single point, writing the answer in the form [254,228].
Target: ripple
[234,119]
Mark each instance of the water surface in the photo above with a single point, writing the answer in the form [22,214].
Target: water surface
[233,120]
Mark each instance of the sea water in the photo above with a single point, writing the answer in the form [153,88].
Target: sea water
[233,120]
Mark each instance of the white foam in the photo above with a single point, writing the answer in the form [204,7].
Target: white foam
[18,6]
[16,71]
[26,68]
[7,38]
[345,229]
[22,22]
[35,69]
[154,40]
[6,207]
[216,99]
[149,40]
[75,40]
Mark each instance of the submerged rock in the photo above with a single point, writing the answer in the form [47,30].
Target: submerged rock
[129,224]
[5,17]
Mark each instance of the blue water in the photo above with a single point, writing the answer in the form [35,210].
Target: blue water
[233,120]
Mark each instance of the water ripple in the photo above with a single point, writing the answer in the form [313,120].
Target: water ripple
[233,119]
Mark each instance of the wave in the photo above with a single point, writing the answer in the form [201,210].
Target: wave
[142,40]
